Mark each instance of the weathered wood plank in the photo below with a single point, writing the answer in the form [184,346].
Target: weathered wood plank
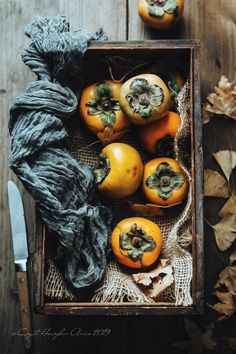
[91,15]
[15,15]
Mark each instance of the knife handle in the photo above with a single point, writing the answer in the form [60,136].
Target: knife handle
[25,313]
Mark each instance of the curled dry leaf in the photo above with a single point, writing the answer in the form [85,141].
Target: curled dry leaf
[222,102]
[230,207]
[164,262]
[156,281]
[215,185]
[228,276]
[147,278]
[227,342]
[108,135]
[163,281]
[227,161]
[198,340]
[145,209]
[225,232]
[232,258]
[203,340]
[226,307]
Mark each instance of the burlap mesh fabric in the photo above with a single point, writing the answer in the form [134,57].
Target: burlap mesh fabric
[117,284]
[55,287]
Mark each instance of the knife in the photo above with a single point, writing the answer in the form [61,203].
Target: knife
[20,249]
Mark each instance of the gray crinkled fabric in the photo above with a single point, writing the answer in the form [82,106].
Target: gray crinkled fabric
[62,187]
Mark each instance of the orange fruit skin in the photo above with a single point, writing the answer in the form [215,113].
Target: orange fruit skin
[158,112]
[94,124]
[126,170]
[164,22]
[152,195]
[150,134]
[151,230]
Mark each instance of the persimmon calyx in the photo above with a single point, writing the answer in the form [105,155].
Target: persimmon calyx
[103,104]
[136,242]
[103,168]
[165,180]
[159,7]
[143,97]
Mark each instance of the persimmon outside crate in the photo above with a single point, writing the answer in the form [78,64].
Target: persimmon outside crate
[186,52]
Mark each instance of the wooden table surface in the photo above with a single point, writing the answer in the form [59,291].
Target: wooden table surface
[211,21]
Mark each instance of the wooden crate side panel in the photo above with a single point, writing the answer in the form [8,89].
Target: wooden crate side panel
[198,179]
[116,310]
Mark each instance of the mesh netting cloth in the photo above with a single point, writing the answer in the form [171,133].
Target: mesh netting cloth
[55,287]
[117,284]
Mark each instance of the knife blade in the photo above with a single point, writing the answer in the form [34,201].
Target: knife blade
[20,249]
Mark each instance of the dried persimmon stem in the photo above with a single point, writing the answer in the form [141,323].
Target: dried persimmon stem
[128,73]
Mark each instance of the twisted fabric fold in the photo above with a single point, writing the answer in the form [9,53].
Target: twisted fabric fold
[62,187]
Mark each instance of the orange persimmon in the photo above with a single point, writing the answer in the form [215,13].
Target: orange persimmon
[119,171]
[160,14]
[99,107]
[136,242]
[144,98]
[164,182]
[156,134]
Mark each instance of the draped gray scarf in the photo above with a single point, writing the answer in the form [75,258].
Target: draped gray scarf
[62,187]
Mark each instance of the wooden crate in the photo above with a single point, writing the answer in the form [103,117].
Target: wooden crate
[186,49]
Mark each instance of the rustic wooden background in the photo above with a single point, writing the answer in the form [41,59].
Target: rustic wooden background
[211,21]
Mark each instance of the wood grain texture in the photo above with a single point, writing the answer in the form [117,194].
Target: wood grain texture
[91,15]
[211,21]
[25,308]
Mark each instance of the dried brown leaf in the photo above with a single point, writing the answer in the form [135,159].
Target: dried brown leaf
[225,232]
[164,262]
[157,280]
[207,339]
[161,283]
[232,258]
[198,340]
[226,307]
[222,102]
[206,116]
[227,161]
[147,277]
[228,276]
[142,279]
[203,340]
[215,185]
[108,135]
[145,209]
[228,342]
[229,207]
